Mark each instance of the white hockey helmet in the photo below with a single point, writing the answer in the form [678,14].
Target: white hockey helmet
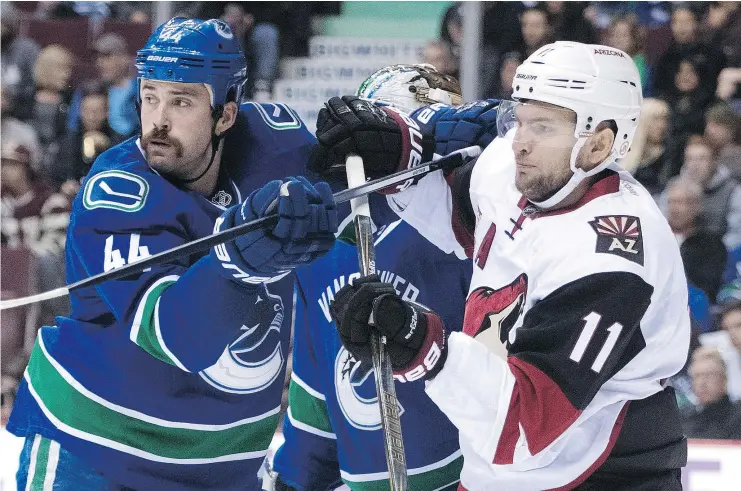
[596,82]
[409,87]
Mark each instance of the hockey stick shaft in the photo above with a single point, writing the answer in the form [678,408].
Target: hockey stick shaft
[385,388]
[205,243]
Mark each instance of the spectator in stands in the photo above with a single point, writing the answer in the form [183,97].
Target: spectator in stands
[52,98]
[732,272]
[501,37]
[704,257]
[509,63]
[722,129]
[727,340]
[440,55]
[716,416]
[92,137]
[260,43]
[627,35]
[648,157]
[721,204]
[650,14]
[568,22]
[722,28]
[140,12]
[451,27]
[537,31]
[729,85]
[683,207]
[686,46]
[689,98]
[17,59]
[35,217]
[14,130]
[54,10]
[730,324]
[703,253]
[115,71]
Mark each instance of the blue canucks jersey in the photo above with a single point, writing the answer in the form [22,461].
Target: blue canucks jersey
[169,379]
[332,429]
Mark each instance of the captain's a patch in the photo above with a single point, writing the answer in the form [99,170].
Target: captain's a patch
[620,235]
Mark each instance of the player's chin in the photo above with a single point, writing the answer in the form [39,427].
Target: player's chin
[523,180]
[160,155]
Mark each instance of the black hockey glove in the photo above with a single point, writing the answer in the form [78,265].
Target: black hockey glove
[415,336]
[387,140]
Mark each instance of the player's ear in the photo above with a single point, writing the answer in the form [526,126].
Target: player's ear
[600,145]
[228,118]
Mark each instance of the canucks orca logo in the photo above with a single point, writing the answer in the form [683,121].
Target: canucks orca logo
[254,360]
[355,388]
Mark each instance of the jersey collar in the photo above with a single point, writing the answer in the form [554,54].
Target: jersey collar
[608,182]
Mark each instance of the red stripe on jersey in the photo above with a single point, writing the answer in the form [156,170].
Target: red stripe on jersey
[601,460]
[463,235]
[597,463]
[538,405]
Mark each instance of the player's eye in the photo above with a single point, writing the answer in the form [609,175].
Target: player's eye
[542,129]
[181,103]
[149,99]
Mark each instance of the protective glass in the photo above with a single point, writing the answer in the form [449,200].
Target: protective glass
[533,123]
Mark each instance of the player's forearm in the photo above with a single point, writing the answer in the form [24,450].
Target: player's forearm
[200,314]
[473,390]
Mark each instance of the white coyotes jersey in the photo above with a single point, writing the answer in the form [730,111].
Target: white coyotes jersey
[591,303]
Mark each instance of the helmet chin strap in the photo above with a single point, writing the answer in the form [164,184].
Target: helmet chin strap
[576,178]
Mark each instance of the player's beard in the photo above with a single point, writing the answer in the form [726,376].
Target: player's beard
[537,186]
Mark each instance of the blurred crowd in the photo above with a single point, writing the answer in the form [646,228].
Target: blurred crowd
[61,110]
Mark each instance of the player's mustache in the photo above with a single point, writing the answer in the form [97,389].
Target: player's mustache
[161,135]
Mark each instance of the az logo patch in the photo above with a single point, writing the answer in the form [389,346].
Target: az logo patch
[619,235]
[117,190]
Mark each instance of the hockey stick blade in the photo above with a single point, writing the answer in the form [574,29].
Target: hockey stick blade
[205,243]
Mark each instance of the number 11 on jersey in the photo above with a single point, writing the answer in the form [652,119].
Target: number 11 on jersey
[592,322]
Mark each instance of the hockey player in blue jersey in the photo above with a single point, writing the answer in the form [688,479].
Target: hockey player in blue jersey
[332,429]
[171,379]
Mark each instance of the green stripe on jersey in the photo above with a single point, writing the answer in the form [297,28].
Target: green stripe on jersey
[42,460]
[77,411]
[308,409]
[431,477]
[145,326]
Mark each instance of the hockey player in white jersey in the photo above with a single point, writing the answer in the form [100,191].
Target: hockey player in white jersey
[577,311]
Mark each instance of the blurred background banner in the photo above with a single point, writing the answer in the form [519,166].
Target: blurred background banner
[69,93]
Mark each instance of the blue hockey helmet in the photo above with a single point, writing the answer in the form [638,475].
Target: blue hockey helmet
[195,51]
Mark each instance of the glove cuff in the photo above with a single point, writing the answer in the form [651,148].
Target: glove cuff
[415,148]
[432,353]
[230,262]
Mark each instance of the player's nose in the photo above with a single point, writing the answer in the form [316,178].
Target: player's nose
[521,146]
[162,118]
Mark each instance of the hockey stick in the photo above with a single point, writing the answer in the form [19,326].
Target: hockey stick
[204,243]
[385,388]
